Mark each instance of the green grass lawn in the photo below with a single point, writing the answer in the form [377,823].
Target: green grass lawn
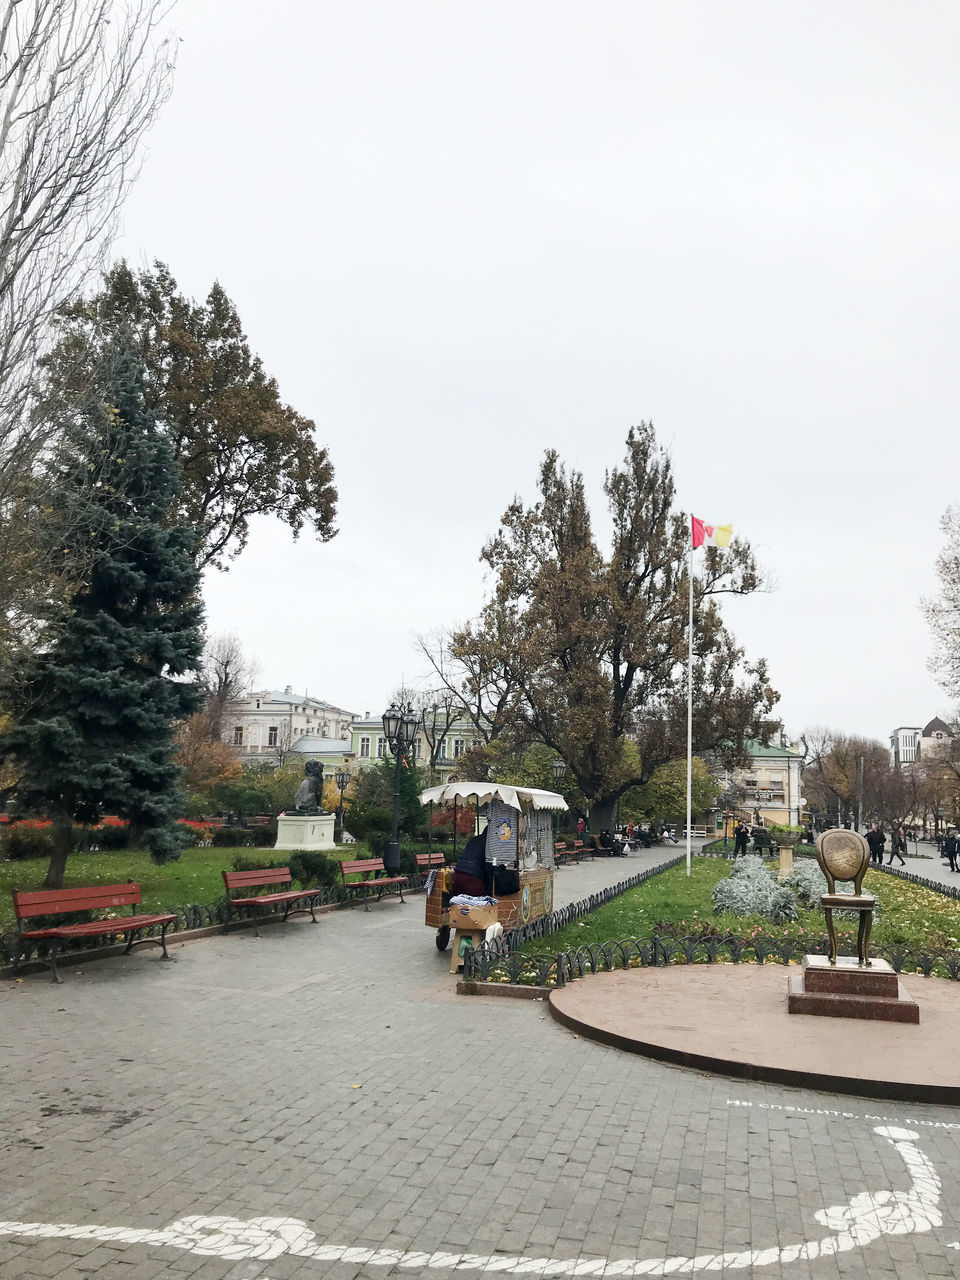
[908,914]
[194,878]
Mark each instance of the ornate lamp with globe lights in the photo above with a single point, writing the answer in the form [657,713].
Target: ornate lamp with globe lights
[559,773]
[342,779]
[400,730]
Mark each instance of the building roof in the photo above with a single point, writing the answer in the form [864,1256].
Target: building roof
[755,749]
[936,725]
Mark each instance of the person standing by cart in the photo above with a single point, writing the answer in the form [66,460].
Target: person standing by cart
[472,874]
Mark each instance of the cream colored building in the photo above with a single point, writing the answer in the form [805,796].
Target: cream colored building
[770,786]
[269,723]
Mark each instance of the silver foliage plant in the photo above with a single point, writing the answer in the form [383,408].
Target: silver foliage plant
[751,890]
[808,881]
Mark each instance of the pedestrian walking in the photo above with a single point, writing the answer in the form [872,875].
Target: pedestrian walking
[876,840]
[581,827]
[950,849]
[894,850]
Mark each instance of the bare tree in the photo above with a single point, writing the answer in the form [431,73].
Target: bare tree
[81,81]
[943,613]
[439,710]
[228,674]
[487,696]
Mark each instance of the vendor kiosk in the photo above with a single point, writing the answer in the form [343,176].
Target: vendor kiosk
[519,835]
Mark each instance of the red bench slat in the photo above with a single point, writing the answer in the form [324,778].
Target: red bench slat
[249,879]
[51,902]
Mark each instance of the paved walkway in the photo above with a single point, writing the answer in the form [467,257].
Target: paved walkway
[319,1102]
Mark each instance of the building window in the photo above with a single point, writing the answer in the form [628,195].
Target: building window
[381,748]
[365,748]
[238,735]
[272,733]
[417,748]
[750,782]
[258,704]
[442,749]
[457,747]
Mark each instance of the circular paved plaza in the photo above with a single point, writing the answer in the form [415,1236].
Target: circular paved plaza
[319,1102]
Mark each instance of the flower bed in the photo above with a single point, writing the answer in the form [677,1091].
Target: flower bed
[669,920]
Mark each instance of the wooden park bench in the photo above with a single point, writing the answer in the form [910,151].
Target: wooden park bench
[373,876]
[427,860]
[580,850]
[561,853]
[262,903]
[55,902]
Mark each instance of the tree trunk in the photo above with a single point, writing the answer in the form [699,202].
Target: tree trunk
[62,848]
[602,815]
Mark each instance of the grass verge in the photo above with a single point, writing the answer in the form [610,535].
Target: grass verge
[671,903]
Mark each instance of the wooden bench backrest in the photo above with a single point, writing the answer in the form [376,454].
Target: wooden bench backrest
[430,860]
[55,902]
[560,846]
[254,879]
[361,866]
[578,844]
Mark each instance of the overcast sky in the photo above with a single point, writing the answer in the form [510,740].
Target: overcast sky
[459,234]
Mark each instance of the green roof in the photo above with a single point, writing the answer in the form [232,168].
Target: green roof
[758,749]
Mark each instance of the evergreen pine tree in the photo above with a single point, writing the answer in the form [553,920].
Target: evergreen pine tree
[95,707]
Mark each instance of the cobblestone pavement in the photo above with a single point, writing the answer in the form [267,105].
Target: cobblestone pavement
[329,1075]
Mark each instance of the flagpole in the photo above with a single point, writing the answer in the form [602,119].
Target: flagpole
[689,703]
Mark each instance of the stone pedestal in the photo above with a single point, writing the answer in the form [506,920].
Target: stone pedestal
[786,861]
[850,990]
[306,832]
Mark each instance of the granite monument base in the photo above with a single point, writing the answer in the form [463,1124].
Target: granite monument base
[850,990]
[305,831]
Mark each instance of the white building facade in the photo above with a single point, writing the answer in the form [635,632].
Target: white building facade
[269,724]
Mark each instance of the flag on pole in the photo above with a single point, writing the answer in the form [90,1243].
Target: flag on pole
[710,535]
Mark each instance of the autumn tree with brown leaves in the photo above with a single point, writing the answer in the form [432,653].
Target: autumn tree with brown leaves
[242,452]
[590,647]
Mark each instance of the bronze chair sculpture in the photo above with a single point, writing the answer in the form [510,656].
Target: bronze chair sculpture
[845,855]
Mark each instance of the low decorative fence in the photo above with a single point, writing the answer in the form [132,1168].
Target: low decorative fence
[494,964]
[501,963]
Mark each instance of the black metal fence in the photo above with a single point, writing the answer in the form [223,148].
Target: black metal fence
[500,962]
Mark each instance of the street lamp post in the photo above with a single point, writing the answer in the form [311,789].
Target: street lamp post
[559,773]
[399,729]
[342,779]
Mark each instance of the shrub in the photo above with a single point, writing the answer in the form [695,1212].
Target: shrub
[22,840]
[110,836]
[261,837]
[808,881]
[313,869]
[750,890]
[229,837]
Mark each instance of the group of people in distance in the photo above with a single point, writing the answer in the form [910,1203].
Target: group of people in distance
[630,836]
[876,839]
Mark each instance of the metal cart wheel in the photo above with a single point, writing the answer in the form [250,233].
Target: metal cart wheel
[443,937]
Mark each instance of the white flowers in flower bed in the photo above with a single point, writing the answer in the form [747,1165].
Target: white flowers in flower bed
[751,890]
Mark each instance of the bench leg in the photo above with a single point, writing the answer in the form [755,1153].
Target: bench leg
[163,941]
[311,904]
[52,962]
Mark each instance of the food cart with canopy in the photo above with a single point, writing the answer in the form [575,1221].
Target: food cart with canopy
[520,835]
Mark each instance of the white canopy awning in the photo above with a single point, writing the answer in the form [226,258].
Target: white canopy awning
[483,792]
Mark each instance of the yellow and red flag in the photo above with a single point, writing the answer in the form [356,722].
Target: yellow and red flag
[710,535]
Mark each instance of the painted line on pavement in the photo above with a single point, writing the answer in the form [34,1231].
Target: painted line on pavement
[867,1217]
